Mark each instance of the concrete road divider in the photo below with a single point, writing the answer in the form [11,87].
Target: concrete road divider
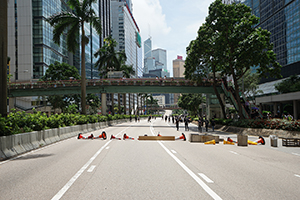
[14,145]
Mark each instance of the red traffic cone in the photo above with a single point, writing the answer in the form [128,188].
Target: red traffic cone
[103,135]
[80,136]
[90,137]
[113,137]
[230,140]
[181,137]
[127,137]
[260,140]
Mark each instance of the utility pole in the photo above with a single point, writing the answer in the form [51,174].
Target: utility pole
[3,58]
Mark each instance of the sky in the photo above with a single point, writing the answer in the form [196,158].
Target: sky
[171,24]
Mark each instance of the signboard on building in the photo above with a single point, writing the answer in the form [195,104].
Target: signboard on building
[138,39]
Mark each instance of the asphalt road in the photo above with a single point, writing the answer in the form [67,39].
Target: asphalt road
[132,169]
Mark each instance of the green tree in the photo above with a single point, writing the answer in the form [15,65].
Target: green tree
[237,45]
[73,23]
[191,102]
[250,82]
[291,84]
[200,59]
[109,58]
[61,71]
[93,102]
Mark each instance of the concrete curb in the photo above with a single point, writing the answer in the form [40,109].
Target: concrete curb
[258,132]
[14,145]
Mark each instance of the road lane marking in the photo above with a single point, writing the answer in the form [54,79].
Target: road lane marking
[190,172]
[296,154]
[173,151]
[91,169]
[297,175]
[234,152]
[205,178]
[107,148]
[76,176]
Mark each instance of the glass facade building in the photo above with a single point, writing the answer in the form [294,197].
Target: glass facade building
[126,33]
[282,19]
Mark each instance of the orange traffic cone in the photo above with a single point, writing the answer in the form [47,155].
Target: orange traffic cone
[182,137]
[80,136]
[261,140]
[228,142]
[127,137]
[102,135]
[113,137]
[210,142]
[158,134]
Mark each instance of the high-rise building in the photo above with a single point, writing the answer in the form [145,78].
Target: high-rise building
[160,56]
[31,46]
[282,19]
[178,70]
[127,34]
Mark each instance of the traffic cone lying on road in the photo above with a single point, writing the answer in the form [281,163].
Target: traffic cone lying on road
[228,142]
[251,142]
[113,137]
[102,135]
[158,134]
[80,136]
[261,140]
[127,137]
[181,137]
[210,142]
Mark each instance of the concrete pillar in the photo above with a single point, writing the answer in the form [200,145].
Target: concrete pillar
[103,104]
[124,102]
[129,103]
[260,107]
[275,106]
[133,102]
[112,103]
[295,106]
[207,106]
[119,103]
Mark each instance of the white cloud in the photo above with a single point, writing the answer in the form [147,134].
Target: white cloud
[150,19]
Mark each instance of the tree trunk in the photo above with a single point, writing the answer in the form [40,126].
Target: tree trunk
[113,103]
[83,79]
[124,102]
[237,96]
[3,58]
[217,93]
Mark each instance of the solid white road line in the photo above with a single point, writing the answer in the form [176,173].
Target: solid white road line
[76,176]
[205,178]
[107,148]
[91,169]
[173,151]
[190,172]
[297,175]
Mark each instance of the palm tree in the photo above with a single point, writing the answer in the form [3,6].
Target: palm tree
[111,60]
[3,58]
[72,23]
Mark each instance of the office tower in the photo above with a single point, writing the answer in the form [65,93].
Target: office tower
[160,56]
[282,19]
[126,33]
[31,46]
[178,70]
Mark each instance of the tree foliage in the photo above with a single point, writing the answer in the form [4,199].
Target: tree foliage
[191,102]
[292,84]
[61,71]
[72,23]
[229,43]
